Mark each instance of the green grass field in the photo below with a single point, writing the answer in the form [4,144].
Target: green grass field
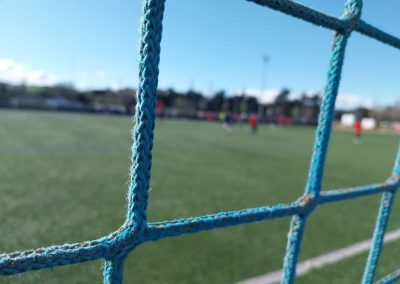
[63,178]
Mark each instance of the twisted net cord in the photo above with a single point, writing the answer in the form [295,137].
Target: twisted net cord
[115,247]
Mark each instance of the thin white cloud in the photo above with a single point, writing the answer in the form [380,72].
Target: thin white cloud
[294,96]
[351,101]
[265,97]
[344,101]
[16,73]
[100,74]
[97,79]
[82,74]
[269,96]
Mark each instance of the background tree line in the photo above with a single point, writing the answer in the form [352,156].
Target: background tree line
[172,103]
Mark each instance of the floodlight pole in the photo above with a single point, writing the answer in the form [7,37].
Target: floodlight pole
[265,60]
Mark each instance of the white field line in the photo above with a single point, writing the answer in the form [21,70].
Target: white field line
[322,260]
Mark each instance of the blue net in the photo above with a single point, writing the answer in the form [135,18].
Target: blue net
[115,247]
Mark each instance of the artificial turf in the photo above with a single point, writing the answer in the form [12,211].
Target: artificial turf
[63,178]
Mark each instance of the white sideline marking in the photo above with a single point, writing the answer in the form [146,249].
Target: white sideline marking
[322,260]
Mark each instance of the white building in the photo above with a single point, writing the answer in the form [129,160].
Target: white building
[367,123]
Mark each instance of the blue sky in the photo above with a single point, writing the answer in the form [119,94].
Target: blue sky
[207,45]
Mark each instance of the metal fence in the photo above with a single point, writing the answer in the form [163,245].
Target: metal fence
[115,247]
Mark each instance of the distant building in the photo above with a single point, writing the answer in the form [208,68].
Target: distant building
[367,123]
[348,119]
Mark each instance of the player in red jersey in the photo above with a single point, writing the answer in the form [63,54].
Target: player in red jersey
[253,123]
[357,130]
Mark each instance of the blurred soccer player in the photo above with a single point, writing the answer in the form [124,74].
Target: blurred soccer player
[227,124]
[253,123]
[357,131]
